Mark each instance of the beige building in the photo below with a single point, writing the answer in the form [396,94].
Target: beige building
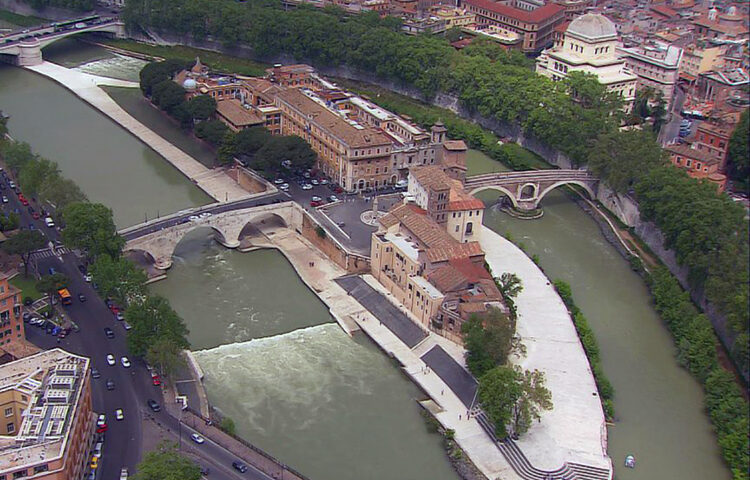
[590,45]
[11,323]
[657,66]
[48,423]
[697,60]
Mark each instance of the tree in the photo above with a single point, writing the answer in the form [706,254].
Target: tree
[60,192]
[154,322]
[211,131]
[228,147]
[24,243]
[250,140]
[738,155]
[167,95]
[227,424]
[510,285]
[201,107]
[120,279]
[3,126]
[35,172]
[166,463]
[164,355]
[157,72]
[499,391]
[49,284]
[624,158]
[280,148]
[90,226]
[533,399]
[17,154]
[488,340]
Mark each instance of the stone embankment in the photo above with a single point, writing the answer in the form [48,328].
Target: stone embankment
[215,183]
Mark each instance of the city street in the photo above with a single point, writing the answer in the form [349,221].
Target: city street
[133,386]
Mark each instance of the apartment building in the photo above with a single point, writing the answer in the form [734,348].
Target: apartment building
[656,65]
[439,279]
[699,58]
[11,322]
[698,163]
[48,422]
[534,23]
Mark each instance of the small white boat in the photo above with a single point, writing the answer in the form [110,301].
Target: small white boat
[630,461]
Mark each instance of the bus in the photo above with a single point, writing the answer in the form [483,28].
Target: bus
[65,297]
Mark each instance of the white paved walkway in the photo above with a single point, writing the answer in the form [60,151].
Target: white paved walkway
[214,182]
[574,430]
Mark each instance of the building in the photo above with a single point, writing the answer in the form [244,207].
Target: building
[590,45]
[535,24]
[298,75]
[717,86]
[699,58]
[724,26]
[11,322]
[713,139]
[446,202]
[237,117]
[440,280]
[454,17]
[698,164]
[574,8]
[49,424]
[657,66]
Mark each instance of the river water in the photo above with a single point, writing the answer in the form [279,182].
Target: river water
[658,405]
[294,383]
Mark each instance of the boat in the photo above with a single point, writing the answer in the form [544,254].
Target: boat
[630,461]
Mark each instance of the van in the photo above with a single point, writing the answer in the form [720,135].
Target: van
[98,449]
[49,222]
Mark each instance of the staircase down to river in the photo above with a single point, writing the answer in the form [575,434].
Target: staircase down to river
[524,468]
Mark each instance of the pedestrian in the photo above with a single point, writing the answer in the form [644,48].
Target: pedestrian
[442,392]
[459,416]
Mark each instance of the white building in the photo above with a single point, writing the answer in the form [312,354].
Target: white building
[590,45]
[656,65]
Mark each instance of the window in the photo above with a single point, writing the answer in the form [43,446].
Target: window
[457,227]
[41,468]
[11,427]
[469,228]
[9,412]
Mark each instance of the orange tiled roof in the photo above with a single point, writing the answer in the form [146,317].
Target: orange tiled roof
[432,177]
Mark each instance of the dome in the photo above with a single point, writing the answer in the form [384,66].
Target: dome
[189,84]
[592,26]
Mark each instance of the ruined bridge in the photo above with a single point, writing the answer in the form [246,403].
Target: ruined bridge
[24,47]
[526,189]
[158,239]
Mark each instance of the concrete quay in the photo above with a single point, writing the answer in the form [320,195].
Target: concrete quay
[575,429]
[215,183]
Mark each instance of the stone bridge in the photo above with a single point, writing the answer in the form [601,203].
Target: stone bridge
[24,48]
[527,189]
[158,239]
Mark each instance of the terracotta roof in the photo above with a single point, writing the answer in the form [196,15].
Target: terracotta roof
[447,279]
[333,123]
[534,16]
[457,250]
[458,199]
[562,27]
[714,129]
[236,114]
[664,11]
[432,177]
[692,153]
[455,145]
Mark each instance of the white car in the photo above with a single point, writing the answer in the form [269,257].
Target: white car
[110,360]
[125,362]
[284,187]
[316,198]
[119,415]
[193,218]
[307,186]
[324,181]
[205,215]
[5,199]
[197,438]
[124,474]
[98,449]
[333,198]
[88,278]
[314,181]
[101,421]
[278,181]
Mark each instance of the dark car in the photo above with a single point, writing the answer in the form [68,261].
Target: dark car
[81,297]
[153,405]
[95,373]
[205,470]
[82,269]
[110,384]
[52,270]
[109,333]
[240,467]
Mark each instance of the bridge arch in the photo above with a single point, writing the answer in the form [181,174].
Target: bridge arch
[528,191]
[581,183]
[499,188]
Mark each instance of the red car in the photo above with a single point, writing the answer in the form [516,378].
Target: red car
[35,215]
[23,200]
[316,203]
[155,379]
[114,308]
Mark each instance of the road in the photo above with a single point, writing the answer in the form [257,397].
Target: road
[42,32]
[133,386]
[670,131]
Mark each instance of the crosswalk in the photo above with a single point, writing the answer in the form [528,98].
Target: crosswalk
[47,253]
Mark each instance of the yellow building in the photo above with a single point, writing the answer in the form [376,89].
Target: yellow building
[11,323]
[697,60]
[48,426]
[454,17]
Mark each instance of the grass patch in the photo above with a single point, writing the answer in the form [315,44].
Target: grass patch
[27,286]
[521,155]
[20,20]
[217,61]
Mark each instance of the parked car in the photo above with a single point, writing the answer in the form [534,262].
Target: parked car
[101,420]
[284,187]
[110,384]
[95,373]
[279,181]
[197,438]
[125,362]
[306,186]
[119,414]
[126,326]
[109,333]
[87,278]
[153,405]
[124,474]
[110,360]
[82,269]
[81,297]
[155,379]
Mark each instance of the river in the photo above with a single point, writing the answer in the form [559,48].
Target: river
[261,348]
[658,405]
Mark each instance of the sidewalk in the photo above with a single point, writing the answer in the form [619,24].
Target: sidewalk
[216,183]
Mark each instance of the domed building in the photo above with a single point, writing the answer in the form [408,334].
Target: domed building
[589,45]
